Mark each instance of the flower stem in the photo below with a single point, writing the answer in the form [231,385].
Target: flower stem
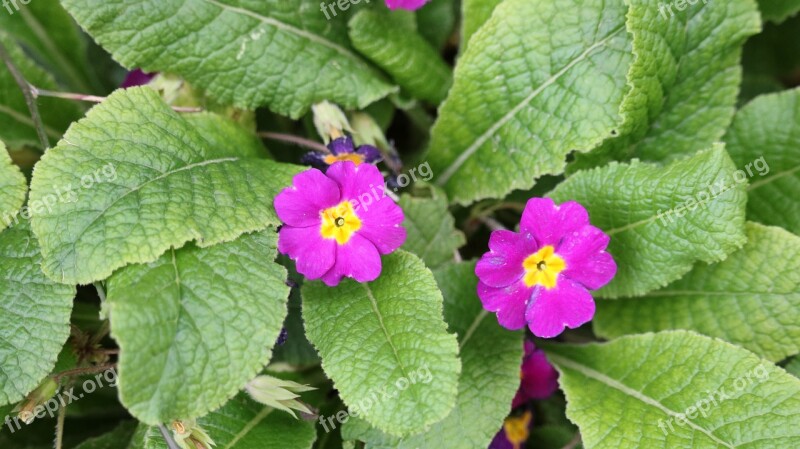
[492,224]
[28,93]
[81,371]
[297,140]
[168,437]
[93,98]
[62,413]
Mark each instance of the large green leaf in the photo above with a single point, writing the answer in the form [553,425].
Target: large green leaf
[283,54]
[196,325]
[143,180]
[537,82]
[18,128]
[405,55]
[685,78]
[490,376]
[662,219]
[436,21]
[778,10]
[763,142]
[475,13]
[243,424]
[13,189]
[34,315]
[646,391]
[751,299]
[431,229]
[386,346]
[46,30]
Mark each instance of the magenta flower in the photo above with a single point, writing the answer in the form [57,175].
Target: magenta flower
[137,78]
[410,5]
[338,223]
[542,275]
[514,433]
[539,380]
[343,149]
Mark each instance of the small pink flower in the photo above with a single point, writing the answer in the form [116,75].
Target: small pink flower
[338,223]
[539,380]
[410,5]
[542,275]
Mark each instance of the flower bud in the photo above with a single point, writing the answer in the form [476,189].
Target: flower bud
[189,435]
[26,410]
[278,393]
[330,121]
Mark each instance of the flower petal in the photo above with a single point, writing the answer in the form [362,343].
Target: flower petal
[370,153]
[381,224]
[587,262]
[311,192]
[358,259]
[549,223]
[502,266]
[341,145]
[539,378]
[410,5]
[313,254]
[363,183]
[509,303]
[567,304]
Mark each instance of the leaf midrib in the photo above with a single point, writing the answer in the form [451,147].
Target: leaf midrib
[613,383]
[489,133]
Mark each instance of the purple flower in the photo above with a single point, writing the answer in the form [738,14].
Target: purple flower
[539,380]
[542,275]
[342,149]
[338,223]
[410,5]
[137,78]
[515,432]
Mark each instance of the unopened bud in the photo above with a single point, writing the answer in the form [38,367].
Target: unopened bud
[189,435]
[330,121]
[278,393]
[43,393]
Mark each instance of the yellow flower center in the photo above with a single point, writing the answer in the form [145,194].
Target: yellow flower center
[516,429]
[542,268]
[339,222]
[352,157]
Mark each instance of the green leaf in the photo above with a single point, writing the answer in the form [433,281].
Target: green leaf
[652,388]
[34,315]
[662,219]
[491,357]
[385,345]
[405,55]
[46,30]
[436,21]
[18,128]
[763,142]
[135,178]
[297,350]
[282,54]
[196,325]
[769,58]
[115,439]
[244,424]
[13,189]
[430,228]
[685,78]
[778,10]
[751,299]
[536,83]
[793,367]
[475,13]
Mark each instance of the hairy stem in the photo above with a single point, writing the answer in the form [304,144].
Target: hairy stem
[93,98]
[297,140]
[30,97]
[82,371]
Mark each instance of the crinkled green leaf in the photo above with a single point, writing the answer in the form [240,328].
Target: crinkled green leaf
[491,358]
[13,189]
[46,30]
[196,325]
[283,54]
[751,299]
[243,424]
[405,55]
[662,219]
[385,345]
[155,182]
[475,13]
[17,125]
[430,228]
[763,142]
[628,394]
[34,315]
[537,82]
[778,10]
[685,78]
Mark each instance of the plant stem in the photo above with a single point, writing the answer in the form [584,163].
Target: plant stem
[30,97]
[62,413]
[168,437]
[93,98]
[81,371]
[491,223]
[573,443]
[297,140]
